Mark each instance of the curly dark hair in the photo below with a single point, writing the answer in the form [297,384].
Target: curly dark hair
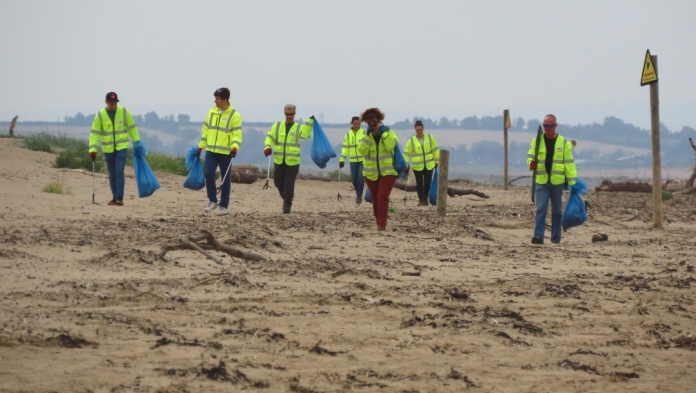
[371,112]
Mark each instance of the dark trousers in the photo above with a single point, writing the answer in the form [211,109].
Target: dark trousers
[212,162]
[284,177]
[356,177]
[116,163]
[423,180]
[380,190]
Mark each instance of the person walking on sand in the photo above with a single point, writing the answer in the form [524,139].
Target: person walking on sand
[283,141]
[111,128]
[378,147]
[350,148]
[424,153]
[222,137]
[555,167]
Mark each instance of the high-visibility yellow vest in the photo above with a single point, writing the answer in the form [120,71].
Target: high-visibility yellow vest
[379,157]
[423,156]
[113,137]
[350,145]
[563,167]
[221,131]
[286,143]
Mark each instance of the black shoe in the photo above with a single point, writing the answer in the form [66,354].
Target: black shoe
[536,240]
[286,208]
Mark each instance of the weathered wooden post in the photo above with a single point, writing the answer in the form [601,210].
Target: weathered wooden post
[443,170]
[649,76]
[506,124]
[12,125]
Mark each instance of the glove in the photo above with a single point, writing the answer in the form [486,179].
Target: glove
[435,165]
[93,155]
[267,152]
[406,171]
[532,165]
[312,117]
[234,152]
[341,164]
[198,154]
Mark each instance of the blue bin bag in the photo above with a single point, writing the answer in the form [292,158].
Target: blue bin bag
[195,179]
[575,213]
[432,196]
[368,196]
[322,151]
[399,161]
[144,177]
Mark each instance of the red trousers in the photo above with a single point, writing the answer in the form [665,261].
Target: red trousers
[380,190]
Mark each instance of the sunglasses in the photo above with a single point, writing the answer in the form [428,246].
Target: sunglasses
[289,114]
[549,125]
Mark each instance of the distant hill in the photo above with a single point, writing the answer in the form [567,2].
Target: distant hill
[472,141]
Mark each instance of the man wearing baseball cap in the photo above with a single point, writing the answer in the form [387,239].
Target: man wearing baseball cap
[112,126]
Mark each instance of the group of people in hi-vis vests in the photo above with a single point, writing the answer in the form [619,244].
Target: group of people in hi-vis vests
[371,153]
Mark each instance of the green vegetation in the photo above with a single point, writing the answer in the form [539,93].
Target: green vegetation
[333,175]
[693,212]
[7,136]
[74,154]
[50,143]
[637,207]
[666,195]
[163,163]
[56,187]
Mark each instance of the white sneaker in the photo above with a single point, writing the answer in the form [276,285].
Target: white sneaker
[223,211]
[211,206]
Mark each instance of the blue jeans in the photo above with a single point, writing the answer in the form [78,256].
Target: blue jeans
[116,163]
[356,177]
[544,193]
[212,162]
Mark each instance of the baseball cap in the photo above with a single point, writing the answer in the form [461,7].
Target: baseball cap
[111,97]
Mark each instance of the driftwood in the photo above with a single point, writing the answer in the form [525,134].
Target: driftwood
[518,178]
[626,186]
[245,168]
[12,125]
[690,182]
[451,191]
[193,243]
[243,178]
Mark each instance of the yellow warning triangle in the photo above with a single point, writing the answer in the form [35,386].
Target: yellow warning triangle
[649,72]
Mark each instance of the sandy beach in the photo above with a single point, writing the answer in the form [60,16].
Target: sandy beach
[88,303]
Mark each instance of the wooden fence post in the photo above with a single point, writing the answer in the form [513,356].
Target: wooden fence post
[443,169]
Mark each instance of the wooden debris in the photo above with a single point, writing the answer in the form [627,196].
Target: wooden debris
[451,191]
[192,243]
[518,178]
[627,186]
[416,273]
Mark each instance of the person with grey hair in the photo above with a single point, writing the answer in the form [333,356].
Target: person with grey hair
[283,141]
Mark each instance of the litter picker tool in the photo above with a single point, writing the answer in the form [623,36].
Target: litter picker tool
[536,157]
[225,177]
[409,171]
[339,186]
[268,173]
[94,187]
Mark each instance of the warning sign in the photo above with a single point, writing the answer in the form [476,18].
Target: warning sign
[649,72]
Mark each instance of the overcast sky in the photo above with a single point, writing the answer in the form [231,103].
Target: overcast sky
[578,59]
